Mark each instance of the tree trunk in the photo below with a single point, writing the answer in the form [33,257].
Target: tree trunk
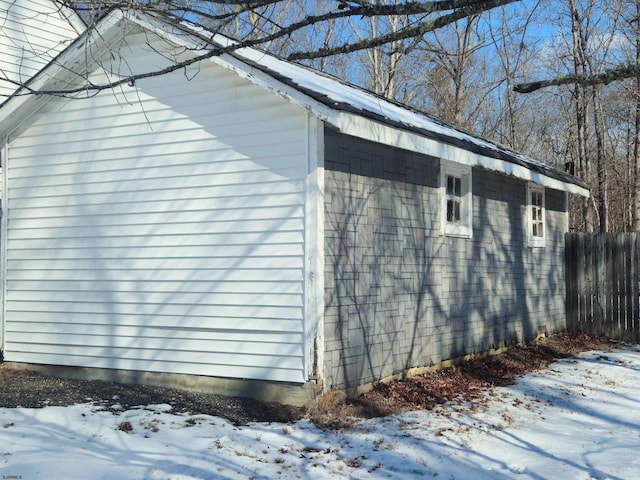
[636,145]
[579,65]
[601,163]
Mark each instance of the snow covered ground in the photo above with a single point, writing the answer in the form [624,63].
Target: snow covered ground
[578,420]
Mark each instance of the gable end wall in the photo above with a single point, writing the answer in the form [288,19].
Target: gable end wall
[160,228]
[398,294]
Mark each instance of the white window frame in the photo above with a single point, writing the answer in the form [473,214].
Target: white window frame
[536,216]
[464,226]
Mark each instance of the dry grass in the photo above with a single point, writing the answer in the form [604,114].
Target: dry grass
[333,410]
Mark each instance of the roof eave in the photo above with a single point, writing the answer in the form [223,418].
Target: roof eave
[366,129]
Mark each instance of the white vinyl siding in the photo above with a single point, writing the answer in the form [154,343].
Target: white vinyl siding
[160,229]
[32,33]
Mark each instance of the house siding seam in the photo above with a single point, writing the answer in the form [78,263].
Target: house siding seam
[160,229]
[399,294]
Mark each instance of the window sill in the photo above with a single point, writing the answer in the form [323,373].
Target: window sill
[537,243]
[459,231]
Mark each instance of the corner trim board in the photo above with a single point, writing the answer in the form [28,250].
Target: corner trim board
[4,157]
[314,251]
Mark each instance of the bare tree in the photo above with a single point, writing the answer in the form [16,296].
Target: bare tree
[578,50]
[508,116]
[259,22]
[382,63]
[453,54]
[633,20]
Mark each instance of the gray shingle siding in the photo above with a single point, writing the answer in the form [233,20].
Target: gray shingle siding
[398,294]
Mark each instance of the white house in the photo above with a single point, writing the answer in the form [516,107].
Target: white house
[255,227]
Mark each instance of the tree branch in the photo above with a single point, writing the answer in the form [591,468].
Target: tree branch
[604,78]
[458,9]
[417,30]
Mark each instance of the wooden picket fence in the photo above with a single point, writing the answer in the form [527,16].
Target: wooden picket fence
[603,284]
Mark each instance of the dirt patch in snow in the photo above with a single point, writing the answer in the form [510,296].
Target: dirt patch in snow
[466,381]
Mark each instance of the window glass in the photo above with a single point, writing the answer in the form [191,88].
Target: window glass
[454,199]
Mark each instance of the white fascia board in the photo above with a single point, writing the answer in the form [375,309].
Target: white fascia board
[73,18]
[176,36]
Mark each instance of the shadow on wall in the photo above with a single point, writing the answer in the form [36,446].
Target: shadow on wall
[398,293]
[162,229]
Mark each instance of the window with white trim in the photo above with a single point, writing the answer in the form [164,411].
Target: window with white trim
[536,215]
[455,187]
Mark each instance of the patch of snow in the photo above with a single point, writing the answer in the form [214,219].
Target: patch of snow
[580,419]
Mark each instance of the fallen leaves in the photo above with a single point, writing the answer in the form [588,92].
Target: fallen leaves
[470,381]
